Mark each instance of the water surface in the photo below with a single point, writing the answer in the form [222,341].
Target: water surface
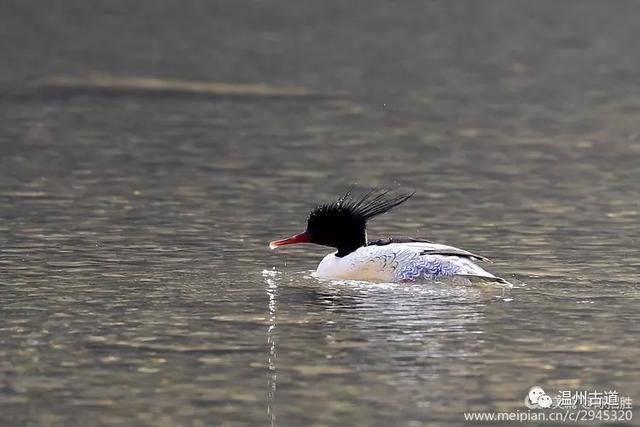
[136,283]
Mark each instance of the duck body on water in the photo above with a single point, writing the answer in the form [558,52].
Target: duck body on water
[342,225]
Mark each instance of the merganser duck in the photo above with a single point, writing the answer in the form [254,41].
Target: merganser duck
[342,225]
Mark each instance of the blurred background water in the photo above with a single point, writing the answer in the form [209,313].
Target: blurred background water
[136,286]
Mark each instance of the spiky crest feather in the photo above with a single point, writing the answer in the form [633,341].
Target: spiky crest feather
[371,204]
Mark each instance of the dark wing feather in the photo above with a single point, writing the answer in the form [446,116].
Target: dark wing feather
[382,242]
[450,251]
[454,252]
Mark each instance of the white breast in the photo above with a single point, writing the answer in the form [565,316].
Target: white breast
[363,264]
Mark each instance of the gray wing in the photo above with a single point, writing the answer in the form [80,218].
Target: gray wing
[427,248]
[454,252]
[390,240]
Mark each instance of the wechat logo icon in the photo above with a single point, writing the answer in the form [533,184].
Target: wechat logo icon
[537,399]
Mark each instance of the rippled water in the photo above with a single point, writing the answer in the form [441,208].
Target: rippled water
[136,284]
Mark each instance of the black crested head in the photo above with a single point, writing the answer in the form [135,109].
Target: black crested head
[342,224]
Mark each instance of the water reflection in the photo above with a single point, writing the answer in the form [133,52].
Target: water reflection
[399,334]
[272,287]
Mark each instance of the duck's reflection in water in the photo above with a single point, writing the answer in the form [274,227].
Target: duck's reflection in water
[394,335]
